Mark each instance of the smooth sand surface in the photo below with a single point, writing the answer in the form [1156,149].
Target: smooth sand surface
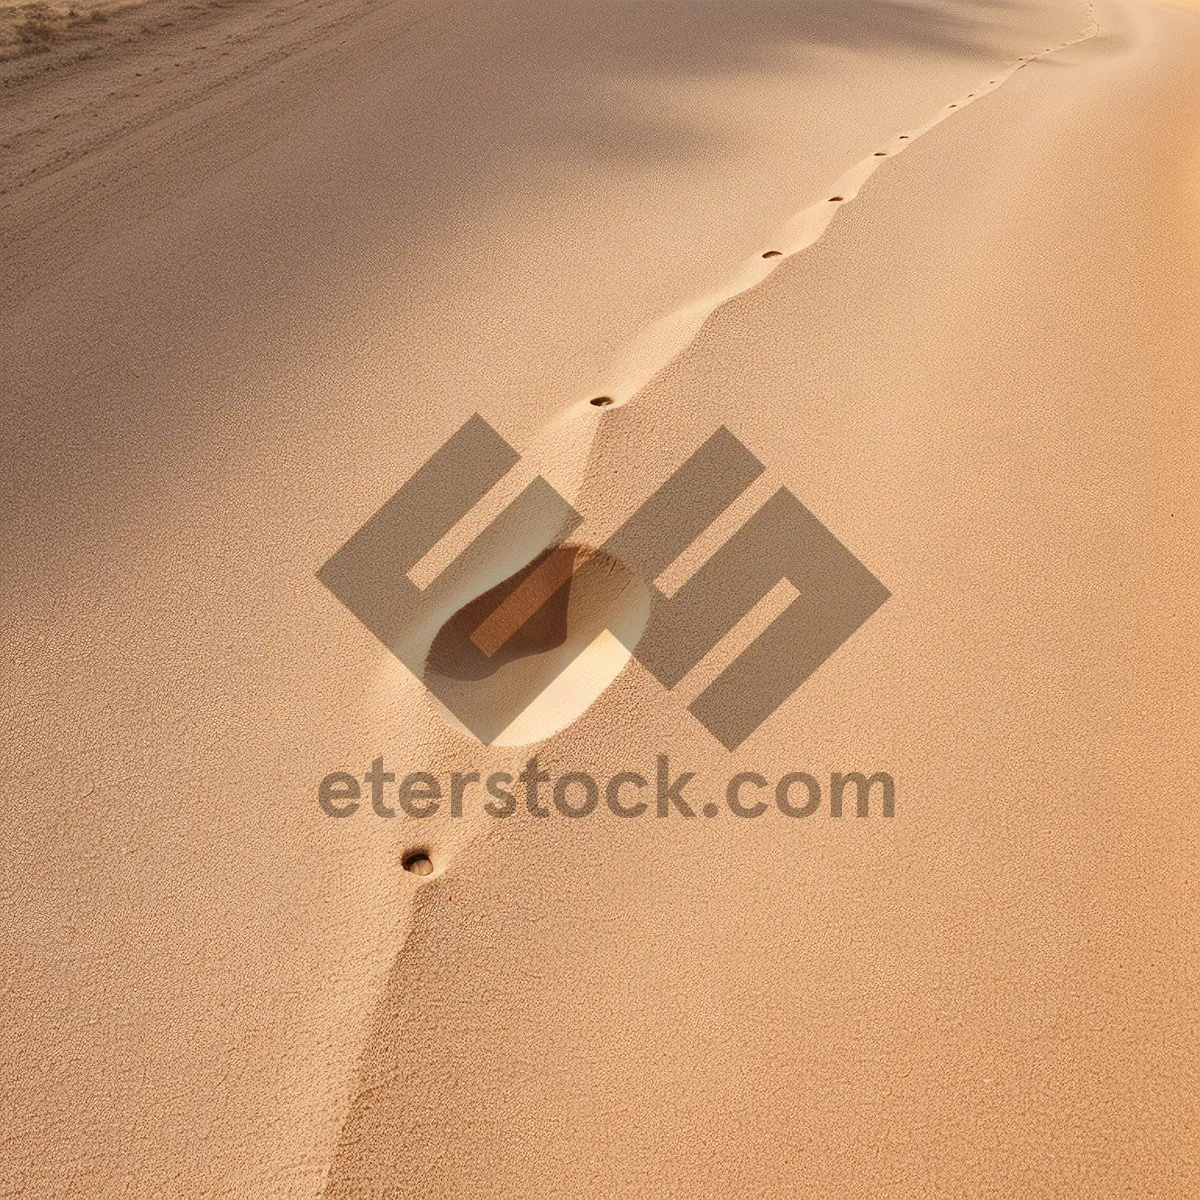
[259,264]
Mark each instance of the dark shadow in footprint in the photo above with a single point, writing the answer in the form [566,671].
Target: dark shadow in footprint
[498,653]
[456,655]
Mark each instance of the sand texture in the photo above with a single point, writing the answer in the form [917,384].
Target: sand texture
[935,266]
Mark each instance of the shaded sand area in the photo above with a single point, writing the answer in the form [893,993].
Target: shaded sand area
[252,280]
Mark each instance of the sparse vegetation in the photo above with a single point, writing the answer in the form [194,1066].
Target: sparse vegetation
[34,26]
[36,31]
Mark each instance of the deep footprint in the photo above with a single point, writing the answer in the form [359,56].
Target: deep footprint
[563,621]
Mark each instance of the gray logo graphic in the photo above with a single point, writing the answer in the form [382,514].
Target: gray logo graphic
[781,541]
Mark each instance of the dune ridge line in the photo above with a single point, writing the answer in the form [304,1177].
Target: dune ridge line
[662,342]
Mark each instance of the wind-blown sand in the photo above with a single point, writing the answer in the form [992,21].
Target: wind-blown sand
[258,265]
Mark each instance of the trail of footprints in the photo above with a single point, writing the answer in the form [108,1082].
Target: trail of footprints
[801,232]
[663,342]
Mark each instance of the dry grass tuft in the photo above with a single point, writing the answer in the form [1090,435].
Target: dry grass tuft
[34,27]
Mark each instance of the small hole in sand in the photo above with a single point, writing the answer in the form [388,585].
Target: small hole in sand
[835,199]
[881,154]
[904,137]
[772,253]
[417,862]
[601,401]
[954,106]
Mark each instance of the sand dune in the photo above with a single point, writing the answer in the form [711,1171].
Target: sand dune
[259,263]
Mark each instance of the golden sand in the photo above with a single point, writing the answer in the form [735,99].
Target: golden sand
[260,262]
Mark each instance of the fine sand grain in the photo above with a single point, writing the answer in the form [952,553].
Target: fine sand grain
[937,265]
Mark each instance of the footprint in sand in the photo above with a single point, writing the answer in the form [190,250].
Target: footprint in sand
[527,657]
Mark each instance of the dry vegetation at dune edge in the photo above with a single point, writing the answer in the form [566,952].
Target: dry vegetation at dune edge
[33,28]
